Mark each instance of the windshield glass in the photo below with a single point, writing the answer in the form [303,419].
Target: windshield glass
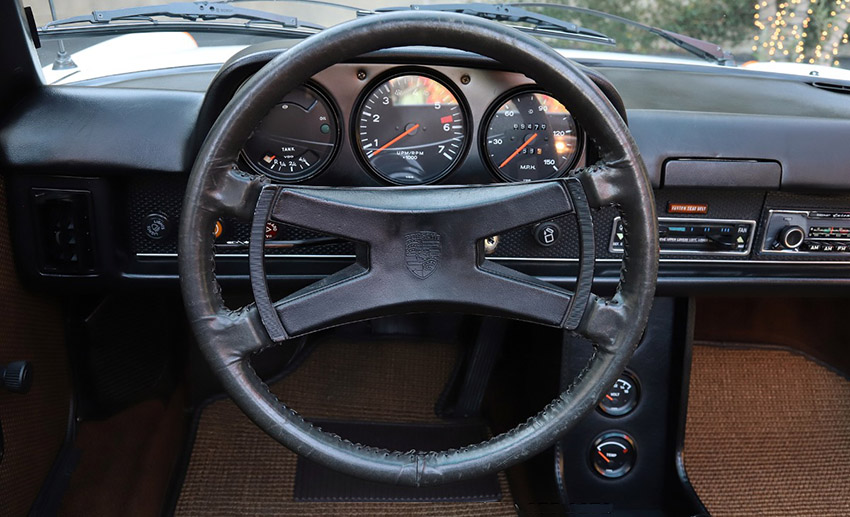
[804,38]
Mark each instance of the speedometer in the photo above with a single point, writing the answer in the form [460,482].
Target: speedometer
[411,129]
[530,136]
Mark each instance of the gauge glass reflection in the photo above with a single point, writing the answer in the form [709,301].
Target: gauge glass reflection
[411,129]
[530,136]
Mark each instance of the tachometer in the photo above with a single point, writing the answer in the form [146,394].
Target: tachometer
[530,136]
[297,139]
[411,129]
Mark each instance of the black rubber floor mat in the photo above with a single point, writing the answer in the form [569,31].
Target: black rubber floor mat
[314,482]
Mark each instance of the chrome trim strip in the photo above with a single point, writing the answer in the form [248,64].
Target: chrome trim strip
[682,261]
[245,255]
[541,259]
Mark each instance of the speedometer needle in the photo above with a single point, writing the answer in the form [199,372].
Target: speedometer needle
[520,148]
[413,128]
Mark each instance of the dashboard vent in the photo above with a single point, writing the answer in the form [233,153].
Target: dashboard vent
[63,219]
[832,87]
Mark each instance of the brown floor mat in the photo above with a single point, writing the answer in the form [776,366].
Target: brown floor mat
[767,433]
[34,424]
[236,469]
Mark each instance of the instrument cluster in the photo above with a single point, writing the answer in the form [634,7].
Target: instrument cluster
[415,126]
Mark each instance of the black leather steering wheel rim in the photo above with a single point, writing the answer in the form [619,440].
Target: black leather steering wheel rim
[227,338]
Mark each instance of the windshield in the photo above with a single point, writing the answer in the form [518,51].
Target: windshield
[805,38]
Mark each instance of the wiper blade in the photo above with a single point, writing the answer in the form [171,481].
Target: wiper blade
[192,11]
[539,23]
[704,49]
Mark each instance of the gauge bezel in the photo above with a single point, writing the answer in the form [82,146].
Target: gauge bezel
[335,112]
[625,410]
[491,111]
[388,75]
[623,470]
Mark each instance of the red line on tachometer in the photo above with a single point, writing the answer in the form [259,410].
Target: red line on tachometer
[520,148]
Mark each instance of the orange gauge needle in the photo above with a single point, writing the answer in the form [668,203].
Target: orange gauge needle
[520,148]
[609,397]
[603,456]
[413,128]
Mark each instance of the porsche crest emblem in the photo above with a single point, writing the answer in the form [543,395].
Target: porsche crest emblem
[422,253]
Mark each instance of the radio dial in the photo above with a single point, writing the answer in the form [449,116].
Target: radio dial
[791,237]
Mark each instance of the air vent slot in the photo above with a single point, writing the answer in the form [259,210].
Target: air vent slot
[832,87]
[63,223]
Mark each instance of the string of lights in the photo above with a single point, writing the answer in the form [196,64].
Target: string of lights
[805,32]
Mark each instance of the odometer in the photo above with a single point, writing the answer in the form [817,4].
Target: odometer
[411,129]
[530,136]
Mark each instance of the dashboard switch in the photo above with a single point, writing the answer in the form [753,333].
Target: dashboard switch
[157,226]
[546,234]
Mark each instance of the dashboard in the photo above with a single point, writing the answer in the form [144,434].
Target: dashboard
[749,178]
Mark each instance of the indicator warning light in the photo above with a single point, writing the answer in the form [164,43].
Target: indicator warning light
[687,208]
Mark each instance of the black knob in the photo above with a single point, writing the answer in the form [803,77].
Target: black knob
[791,237]
[547,233]
[157,226]
[16,376]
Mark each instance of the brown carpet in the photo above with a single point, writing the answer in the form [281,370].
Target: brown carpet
[236,469]
[34,424]
[767,433]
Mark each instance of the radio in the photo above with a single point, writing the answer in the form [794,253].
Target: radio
[696,236]
[806,231]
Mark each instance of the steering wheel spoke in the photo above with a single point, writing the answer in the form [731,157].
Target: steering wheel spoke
[421,252]
[357,293]
[377,216]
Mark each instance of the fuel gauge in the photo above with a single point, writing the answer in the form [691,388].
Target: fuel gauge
[297,139]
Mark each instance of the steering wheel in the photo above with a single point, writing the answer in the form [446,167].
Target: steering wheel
[441,227]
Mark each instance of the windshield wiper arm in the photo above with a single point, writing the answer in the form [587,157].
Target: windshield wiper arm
[704,49]
[540,23]
[192,11]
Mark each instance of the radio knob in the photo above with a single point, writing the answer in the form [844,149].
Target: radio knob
[791,237]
